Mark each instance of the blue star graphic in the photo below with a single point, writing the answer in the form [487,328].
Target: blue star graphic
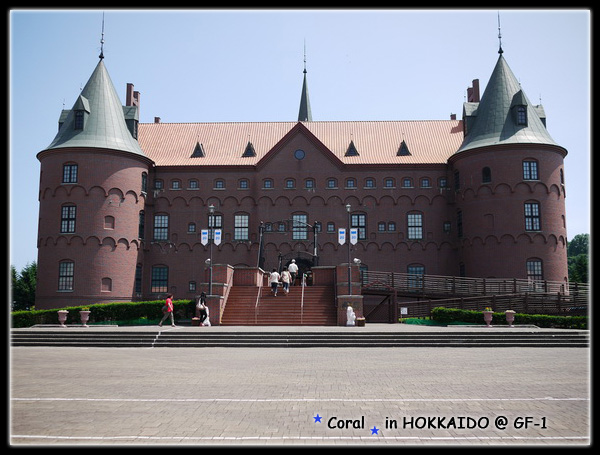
[374,430]
[317,419]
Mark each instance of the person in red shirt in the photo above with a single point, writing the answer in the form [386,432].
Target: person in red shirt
[168,310]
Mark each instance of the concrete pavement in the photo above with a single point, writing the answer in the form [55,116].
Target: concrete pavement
[304,396]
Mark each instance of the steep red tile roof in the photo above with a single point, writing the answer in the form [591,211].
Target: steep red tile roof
[377,142]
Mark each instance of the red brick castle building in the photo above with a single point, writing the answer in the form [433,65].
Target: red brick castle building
[123,204]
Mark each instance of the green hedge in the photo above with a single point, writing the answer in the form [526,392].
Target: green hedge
[454,315]
[148,312]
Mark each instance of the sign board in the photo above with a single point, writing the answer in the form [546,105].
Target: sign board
[204,236]
[403,310]
[341,236]
[217,236]
[353,236]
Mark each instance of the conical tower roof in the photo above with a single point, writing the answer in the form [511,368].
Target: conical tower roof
[495,121]
[104,121]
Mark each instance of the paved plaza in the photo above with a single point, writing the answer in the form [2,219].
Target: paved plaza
[299,396]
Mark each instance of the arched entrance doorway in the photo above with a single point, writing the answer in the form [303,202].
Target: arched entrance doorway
[304,261]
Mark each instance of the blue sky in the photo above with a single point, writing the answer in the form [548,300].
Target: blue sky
[246,65]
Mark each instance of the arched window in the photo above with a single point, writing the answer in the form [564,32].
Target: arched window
[67,218]
[106,285]
[534,269]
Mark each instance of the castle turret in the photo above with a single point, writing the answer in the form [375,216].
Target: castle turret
[92,194]
[509,185]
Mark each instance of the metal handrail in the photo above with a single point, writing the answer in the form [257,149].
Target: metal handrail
[260,285]
[303,283]
[467,285]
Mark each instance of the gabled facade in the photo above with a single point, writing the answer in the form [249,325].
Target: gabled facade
[122,204]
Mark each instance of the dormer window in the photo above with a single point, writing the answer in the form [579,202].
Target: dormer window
[80,109]
[79,117]
[522,115]
[519,108]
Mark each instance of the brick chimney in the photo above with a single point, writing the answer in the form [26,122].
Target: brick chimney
[132,97]
[473,92]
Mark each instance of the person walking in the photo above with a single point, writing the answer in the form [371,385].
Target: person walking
[202,308]
[285,279]
[293,269]
[168,310]
[274,281]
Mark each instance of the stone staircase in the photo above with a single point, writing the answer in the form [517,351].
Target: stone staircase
[318,308]
[345,337]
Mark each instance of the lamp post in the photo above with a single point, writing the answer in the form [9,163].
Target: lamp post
[348,207]
[211,211]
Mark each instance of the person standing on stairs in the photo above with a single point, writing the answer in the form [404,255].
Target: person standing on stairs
[286,277]
[293,268]
[274,281]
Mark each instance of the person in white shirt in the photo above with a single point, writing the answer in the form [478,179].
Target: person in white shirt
[293,269]
[285,279]
[274,280]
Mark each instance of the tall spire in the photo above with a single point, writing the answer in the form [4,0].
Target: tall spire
[304,114]
[101,56]
[500,51]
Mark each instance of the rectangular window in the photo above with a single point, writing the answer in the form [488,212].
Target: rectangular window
[141,224]
[138,279]
[160,279]
[79,116]
[161,227]
[415,279]
[532,216]
[534,270]
[65,276]
[240,230]
[299,228]
[70,173]
[214,222]
[67,219]
[415,226]
[521,115]
[530,170]
[359,220]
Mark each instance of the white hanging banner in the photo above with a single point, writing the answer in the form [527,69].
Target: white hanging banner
[353,236]
[341,236]
[217,236]
[204,236]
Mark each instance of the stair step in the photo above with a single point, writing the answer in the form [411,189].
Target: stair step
[318,307]
[343,338]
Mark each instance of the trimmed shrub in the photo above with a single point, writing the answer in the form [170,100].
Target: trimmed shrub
[453,315]
[122,313]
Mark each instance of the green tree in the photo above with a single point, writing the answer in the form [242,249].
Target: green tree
[23,287]
[580,244]
[578,268]
[577,258]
